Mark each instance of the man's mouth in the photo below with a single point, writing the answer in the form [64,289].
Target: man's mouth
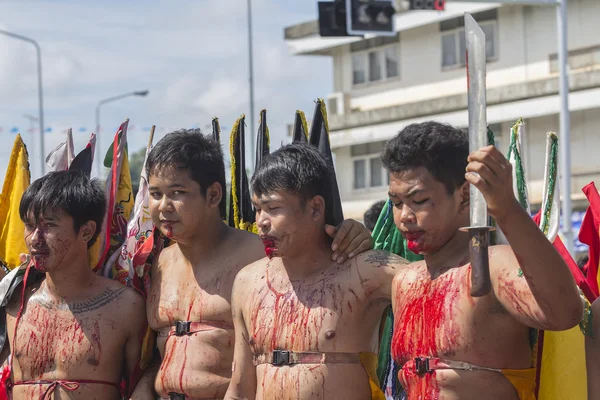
[412,235]
[270,244]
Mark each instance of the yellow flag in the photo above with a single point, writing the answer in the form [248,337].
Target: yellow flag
[12,229]
[563,374]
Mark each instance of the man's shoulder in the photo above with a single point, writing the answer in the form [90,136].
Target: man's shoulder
[245,246]
[381,258]
[254,268]
[127,298]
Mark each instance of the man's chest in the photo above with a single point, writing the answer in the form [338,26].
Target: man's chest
[189,300]
[304,317]
[434,317]
[47,340]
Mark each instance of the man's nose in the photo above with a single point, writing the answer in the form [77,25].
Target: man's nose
[407,215]
[165,204]
[263,222]
[37,236]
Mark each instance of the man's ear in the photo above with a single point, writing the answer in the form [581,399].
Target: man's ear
[214,194]
[317,207]
[465,197]
[87,230]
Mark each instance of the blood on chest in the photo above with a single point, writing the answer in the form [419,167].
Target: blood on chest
[427,314]
[47,340]
[302,317]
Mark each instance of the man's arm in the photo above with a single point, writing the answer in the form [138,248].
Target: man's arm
[529,278]
[136,319]
[243,377]
[350,239]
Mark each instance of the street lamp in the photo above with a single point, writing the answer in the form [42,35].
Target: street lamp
[40,93]
[141,93]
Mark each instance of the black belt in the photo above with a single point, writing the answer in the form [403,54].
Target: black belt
[176,396]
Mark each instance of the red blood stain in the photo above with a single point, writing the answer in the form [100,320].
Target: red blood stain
[413,246]
[425,326]
[270,246]
[47,337]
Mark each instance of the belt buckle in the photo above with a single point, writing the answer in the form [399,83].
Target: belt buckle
[182,327]
[281,357]
[422,365]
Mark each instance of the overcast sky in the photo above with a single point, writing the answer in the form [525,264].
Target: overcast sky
[191,55]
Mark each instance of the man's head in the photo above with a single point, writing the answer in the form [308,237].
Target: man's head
[372,214]
[63,213]
[186,177]
[292,194]
[427,165]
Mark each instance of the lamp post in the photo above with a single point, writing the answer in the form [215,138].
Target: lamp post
[141,93]
[38,51]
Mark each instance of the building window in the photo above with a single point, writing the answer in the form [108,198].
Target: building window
[359,174]
[368,167]
[453,41]
[375,59]
[358,68]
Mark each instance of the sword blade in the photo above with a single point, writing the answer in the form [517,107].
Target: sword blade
[476,72]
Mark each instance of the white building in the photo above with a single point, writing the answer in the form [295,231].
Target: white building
[382,84]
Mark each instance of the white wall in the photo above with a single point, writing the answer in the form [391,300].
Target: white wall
[585,153]
[526,36]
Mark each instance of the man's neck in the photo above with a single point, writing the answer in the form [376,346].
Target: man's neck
[206,241]
[312,257]
[71,277]
[453,254]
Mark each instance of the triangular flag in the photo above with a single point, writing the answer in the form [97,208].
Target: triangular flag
[300,128]
[319,138]
[241,214]
[262,139]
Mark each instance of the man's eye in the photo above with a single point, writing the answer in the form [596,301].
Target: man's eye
[178,192]
[398,204]
[421,201]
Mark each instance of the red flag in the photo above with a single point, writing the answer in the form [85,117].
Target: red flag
[580,280]
[589,234]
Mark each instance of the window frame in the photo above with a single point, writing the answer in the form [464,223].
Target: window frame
[381,54]
[367,160]
[461,30]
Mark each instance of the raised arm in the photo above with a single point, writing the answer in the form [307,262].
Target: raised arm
[243,377]
[529,278]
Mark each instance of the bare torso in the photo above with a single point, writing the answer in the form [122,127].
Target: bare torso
[436,317]
[197,365]
[80,340]
[332,311]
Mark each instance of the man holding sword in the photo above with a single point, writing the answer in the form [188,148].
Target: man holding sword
[464,316]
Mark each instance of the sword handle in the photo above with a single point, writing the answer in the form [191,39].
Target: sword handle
[480,263]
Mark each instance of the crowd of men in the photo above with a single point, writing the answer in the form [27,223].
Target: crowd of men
[294,312]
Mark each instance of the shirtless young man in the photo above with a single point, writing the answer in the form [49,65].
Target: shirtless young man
[450,345]
[71,333]
[188,304]
[305,327]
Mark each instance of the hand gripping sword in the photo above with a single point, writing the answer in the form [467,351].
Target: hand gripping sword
[479,229]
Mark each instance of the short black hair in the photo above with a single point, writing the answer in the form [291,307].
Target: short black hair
[300,169]
[442,149]
[372,214]
[200,155]
[70,191]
